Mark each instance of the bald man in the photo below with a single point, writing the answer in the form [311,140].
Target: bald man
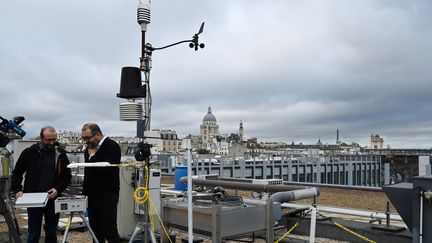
[45,168]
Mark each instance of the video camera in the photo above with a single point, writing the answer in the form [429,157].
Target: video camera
[10,129]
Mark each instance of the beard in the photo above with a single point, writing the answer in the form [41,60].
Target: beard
[92,145]
[49,147]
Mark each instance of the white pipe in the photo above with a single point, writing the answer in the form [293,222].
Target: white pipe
[189,197]
[287,196]
[312,225]
[95,164]
[421,218]
[346,211]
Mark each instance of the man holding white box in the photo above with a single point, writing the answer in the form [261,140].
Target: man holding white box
[45,169]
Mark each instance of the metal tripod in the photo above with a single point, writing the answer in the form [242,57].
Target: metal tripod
[13,230]
[9,216]
[145,226]
[85,222]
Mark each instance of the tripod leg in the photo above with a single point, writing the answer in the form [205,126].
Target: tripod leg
[67,227]
[88,227]
[12,230]
[13,215]
[137,229]
[151,234]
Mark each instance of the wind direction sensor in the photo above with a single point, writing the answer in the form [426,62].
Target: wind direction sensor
[195,39]
[193,43]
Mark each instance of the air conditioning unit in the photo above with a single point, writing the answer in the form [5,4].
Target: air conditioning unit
[268,181]
[265,196]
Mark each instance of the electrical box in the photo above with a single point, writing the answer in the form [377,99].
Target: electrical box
[126,218]
[154,190]
[128,212]
[70,204]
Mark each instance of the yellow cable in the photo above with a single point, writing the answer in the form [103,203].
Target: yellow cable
[128,164]
[145,191]
[288,232]
[354,233]
[150,215]
[141,199]
[160,220]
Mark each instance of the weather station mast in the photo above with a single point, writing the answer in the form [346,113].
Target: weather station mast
[135,88]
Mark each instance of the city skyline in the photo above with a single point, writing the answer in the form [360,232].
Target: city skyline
[298,72]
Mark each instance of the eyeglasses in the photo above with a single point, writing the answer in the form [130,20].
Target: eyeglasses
[87,138]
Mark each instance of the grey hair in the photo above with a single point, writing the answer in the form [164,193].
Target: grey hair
[94,128]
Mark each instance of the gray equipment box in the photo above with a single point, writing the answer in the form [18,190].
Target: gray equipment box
[70,204]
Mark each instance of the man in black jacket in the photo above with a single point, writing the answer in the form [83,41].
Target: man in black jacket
[101,185]
[45,168]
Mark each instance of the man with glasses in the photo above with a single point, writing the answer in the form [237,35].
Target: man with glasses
[101,184]
[45,168]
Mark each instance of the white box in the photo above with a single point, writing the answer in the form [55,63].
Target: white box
[70,204]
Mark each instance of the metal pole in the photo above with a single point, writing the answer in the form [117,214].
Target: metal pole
[189,197]
[312,225]
[146,214]
[388,214]
[421,218]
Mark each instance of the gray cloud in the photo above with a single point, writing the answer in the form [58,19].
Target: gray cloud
[291,70]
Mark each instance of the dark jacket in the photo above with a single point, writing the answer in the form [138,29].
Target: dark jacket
[29,163]
[100,180]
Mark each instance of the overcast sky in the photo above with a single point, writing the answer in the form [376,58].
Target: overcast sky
[290,70]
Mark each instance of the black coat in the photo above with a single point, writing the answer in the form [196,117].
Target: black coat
[29,163]
[100,180]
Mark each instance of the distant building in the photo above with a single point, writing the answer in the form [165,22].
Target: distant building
[241,131]
[376,142]
[209,128]
[195,141]
[67,137]
[337,137]
[170,143]
[211,140]
[238,149]
[222,145]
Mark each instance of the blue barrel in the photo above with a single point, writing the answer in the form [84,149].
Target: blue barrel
[180,171]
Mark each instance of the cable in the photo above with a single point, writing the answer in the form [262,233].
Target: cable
[160,220]
[145,190]
[128,164]
[293,227]
[352,232]
[145,198]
